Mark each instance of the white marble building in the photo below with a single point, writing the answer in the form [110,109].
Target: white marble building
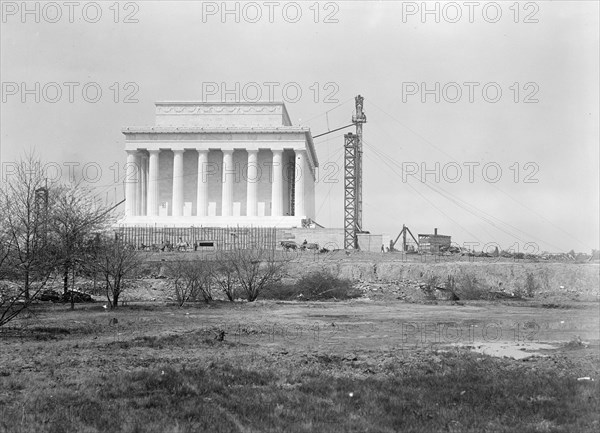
[220,164]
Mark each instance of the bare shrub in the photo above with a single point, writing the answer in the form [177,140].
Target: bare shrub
[429,287]
[318,286]
[224,275]
[468,286]
[254,269]
[530,286]
[191,280]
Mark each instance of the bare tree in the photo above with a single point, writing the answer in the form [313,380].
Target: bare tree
[191,279]
[27,258]
[117,262]
[74,217]
[256,269]
[5,238]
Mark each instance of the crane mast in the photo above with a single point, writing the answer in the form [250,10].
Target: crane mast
[353,179]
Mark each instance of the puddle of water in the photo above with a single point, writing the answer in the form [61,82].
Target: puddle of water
[509,350]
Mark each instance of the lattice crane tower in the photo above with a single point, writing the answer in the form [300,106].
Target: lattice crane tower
[353,179]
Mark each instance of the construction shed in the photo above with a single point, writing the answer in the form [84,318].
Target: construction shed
[369,242]
[433,243]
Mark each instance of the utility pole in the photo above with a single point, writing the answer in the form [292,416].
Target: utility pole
[358,120]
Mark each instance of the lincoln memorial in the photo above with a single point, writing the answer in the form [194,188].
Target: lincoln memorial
[220,164]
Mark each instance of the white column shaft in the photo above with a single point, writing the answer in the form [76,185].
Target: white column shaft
[153,183]
[228,179]
[202,191]
[252,187]
[144,184]
[177,183]
[138,185]
[277,186]
[300,169]
[130,183]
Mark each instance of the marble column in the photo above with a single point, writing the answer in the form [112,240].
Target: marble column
[139,161]
[252,181]
[130,183]
[177,183]
[144,186]
[153,183]
[228,180]
[202,191]
[277,186]
[300,172]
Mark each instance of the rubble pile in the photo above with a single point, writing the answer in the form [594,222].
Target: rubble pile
[403,290]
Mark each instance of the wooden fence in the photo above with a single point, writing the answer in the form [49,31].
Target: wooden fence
[219,238]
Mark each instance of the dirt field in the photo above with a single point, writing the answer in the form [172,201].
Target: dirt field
[377,363]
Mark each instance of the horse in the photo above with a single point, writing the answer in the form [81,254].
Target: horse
[310,246]
[166,246]
[183,246]
[289,245]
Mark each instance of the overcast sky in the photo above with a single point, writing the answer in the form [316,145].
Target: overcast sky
[541,131]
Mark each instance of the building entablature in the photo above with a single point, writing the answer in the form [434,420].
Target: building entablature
[294,138]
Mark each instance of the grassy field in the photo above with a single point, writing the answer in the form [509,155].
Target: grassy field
[268,366]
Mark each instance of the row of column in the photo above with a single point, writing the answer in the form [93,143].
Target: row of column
[142,177]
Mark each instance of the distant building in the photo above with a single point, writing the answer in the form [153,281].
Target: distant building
[433,243]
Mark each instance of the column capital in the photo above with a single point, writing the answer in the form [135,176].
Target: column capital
[153,151]
[178,150]
[131,152]
[202,149]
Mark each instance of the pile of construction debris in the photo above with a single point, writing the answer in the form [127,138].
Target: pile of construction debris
[405,290]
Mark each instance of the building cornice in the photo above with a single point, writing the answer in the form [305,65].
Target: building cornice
[213,130]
